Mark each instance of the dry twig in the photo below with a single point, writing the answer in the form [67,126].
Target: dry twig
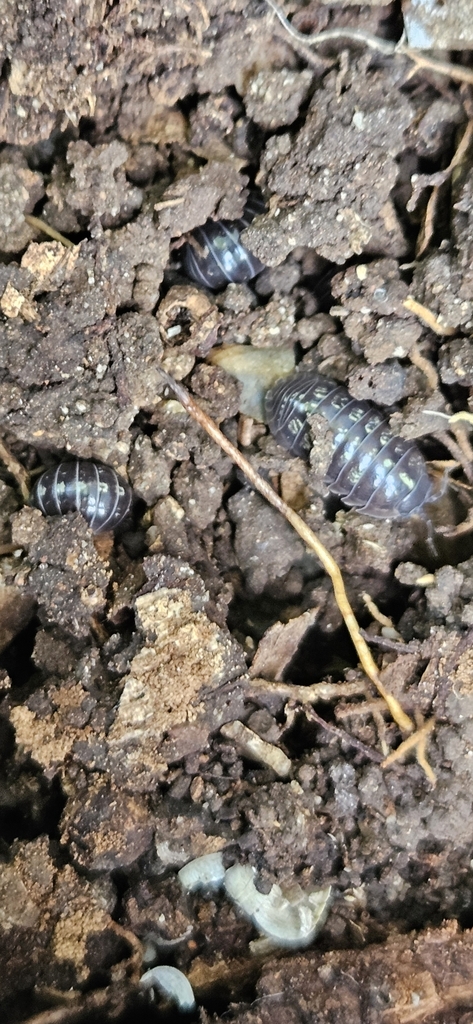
[310,539]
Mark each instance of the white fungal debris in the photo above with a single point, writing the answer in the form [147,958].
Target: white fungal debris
[290,921]
[172,983]
[206,872]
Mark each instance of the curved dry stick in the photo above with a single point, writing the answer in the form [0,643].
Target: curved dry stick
[309,538]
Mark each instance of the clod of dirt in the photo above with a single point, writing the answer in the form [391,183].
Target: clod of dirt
[342,208]
[199,492]
[217,191]
[106,828]
[140,253]
[456,362]
[95,185]
[409,979]
[69,579]
[184,653]
[302,839]
[44,268]
[273,98]
[218,131]
[374,316]
[265,545]
[20,190]
[51,921]
[444,283]
[384,385]
[149,471]
[103,377]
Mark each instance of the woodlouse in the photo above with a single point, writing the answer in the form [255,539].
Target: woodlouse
[96,491]
[372,470]
[215,256]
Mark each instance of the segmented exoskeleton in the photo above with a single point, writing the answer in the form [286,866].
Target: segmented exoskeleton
[215,255]
[102,497]
[372,470]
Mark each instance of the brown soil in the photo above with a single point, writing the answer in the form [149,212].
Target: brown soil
[122,663]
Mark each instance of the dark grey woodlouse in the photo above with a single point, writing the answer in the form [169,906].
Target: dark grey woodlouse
[372,470]
[215,256]
[96,491]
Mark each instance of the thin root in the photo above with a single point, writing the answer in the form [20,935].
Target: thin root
[455,71]
[434,198]
[40,225]
[318,692]
[368,752]
[428,318]
[378,616]
[418,743]
[135,961]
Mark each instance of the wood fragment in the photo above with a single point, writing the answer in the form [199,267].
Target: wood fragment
[254,747]
[387,644]
[165,204]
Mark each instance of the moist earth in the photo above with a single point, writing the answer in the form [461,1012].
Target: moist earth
[188,687]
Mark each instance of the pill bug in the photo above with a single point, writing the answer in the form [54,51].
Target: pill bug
[102,497]
[215,256]
[372,470]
